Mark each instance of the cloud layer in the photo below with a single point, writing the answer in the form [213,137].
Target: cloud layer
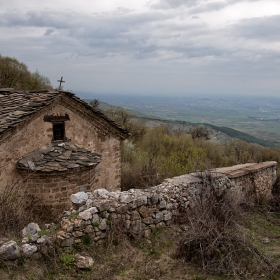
[166,46]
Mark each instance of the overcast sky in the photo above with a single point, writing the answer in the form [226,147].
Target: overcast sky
[168,47]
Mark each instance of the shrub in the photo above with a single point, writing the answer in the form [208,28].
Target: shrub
[214,239]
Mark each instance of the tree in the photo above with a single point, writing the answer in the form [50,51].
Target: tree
[15,74]
[199,132]
[135,127]
[94,103]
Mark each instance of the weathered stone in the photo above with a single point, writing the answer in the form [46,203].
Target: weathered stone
[103,224]
[83,262]
[78,223]
[28,249]
[77,233]
[34,238]
[148,220]
[10,251]
[154,199]
[125,198]
[167,216]
[158,217]
[162,204]
[31,229]
[100,192]
[68,242]
[92,210]
[85,215]
[104,206]
[89,229]
[66,225]
[79,198]
[89,203]
[144,211]
[95,218]
[141,200]
[43,240]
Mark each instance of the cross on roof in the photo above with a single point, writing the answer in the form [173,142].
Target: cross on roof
[60,82]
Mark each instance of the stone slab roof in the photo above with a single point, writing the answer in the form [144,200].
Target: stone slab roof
[59,157]
[18,106]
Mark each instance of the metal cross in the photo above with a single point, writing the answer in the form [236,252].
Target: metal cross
[60,82]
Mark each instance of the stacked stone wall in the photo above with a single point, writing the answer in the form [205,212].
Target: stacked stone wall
[139,211]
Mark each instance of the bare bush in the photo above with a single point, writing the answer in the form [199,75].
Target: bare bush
[16,211]
[12,213]
[215,240]
[139,177]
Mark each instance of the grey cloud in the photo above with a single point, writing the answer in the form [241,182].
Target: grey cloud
[141,36]
[167,4]
[208,7]
[265,29]
[49,31]
[198,6]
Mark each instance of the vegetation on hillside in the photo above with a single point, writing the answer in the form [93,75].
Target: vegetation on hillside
[15,74]
[151,155]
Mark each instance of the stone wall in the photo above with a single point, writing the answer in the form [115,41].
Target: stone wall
[35,133]
[139,211]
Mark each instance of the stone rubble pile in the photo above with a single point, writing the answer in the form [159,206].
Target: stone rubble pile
[33,240]
[138,210]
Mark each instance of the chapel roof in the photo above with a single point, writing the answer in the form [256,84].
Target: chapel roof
[60,157]
[18,106]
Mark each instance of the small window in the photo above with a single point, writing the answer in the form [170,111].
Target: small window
[58,131]
[58,123]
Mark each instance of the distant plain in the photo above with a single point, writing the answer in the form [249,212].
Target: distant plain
[257,116]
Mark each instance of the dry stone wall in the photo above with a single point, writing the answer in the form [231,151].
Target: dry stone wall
[139,211]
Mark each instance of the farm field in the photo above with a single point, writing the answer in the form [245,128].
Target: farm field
[257,116]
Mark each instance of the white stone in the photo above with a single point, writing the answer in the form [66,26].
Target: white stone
[28,249]
[100,192]
[125,198]
[89,203]
[83,262]
[43,240]
[92,210]
[79,198]
[31,229]
[85,215]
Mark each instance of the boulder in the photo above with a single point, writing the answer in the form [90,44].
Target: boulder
[79,198]
[83,262]
[100,193]
[10,251]
[28,249]
[31,229]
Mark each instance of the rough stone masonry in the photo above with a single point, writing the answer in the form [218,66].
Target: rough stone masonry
[141,210]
